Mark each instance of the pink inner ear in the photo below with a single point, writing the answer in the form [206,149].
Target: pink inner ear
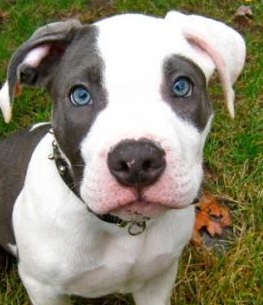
[35,56]
[221,67]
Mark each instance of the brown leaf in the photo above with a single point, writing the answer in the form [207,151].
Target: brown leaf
[211,216]
[3,15]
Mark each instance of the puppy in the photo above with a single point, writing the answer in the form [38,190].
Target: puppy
[99,200]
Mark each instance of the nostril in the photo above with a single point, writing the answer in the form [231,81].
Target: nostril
[120,166]
[124,166]
[147,165]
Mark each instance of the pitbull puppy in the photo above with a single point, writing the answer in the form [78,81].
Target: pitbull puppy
[100,200]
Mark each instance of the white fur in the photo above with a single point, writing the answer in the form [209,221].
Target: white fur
[5,103]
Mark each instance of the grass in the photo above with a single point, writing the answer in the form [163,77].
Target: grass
[233,153]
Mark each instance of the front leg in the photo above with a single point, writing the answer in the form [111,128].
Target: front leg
[157,291]
[42,293]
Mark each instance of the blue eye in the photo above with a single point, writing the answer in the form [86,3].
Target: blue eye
[182,87]
[80,96]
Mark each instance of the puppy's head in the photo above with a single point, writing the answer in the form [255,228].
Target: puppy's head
[130,107]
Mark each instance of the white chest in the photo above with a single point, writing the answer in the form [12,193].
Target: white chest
[89,258]
[118,272]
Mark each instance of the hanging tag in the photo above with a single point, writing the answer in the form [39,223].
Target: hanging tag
[136,228]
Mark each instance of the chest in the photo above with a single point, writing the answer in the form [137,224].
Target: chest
[120,265]
[88,258]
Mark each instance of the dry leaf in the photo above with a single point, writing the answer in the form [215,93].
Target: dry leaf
[244,10]
[211,216]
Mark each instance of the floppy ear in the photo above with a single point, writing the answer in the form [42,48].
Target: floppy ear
[32,61]
[221,43]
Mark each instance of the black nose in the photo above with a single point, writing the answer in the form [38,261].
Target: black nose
[136,163]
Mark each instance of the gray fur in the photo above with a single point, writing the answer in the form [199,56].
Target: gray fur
[15,154]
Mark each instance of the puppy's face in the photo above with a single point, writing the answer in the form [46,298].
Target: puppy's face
[120,97]
[130,109]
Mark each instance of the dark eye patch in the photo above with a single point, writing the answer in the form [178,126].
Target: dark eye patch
[184,89]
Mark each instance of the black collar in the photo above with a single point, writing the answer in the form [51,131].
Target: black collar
[135,228]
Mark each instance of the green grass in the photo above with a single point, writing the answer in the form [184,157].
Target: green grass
[233,153]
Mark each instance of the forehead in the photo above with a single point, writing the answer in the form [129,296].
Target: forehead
[133,49]
[134,41]
[134,32]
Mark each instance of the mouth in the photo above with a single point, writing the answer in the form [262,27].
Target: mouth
[140,209]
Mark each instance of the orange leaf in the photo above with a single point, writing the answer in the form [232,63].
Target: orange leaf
[212,216]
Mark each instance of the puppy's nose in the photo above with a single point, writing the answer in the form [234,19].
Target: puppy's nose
[136,163]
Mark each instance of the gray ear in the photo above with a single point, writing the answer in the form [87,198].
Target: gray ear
[33,59]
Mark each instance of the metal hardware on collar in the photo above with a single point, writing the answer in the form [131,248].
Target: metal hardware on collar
[122,223]
[134,228]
